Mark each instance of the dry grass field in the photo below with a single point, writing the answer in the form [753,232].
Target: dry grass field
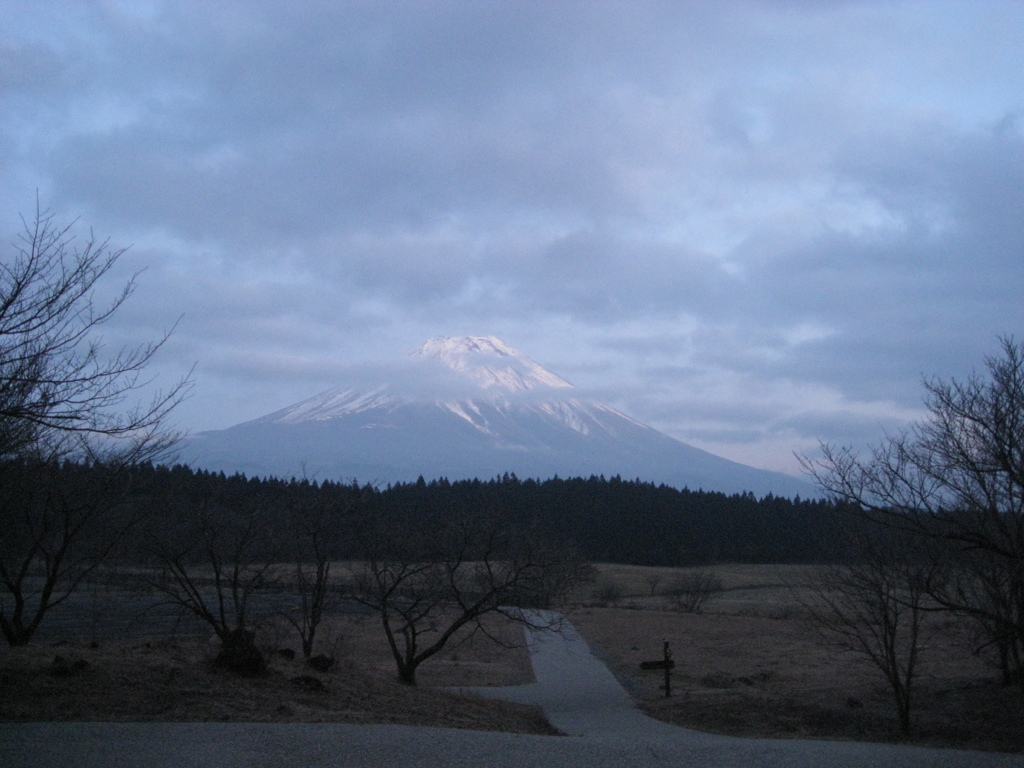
[174,680]
[749,664]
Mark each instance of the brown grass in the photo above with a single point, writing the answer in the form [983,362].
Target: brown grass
[752,665]
[749,665]
[175,681]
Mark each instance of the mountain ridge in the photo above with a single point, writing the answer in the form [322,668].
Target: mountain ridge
[493,410]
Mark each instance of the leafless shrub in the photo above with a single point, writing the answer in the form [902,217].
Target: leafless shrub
[653,581]
[690,592]
[607,591]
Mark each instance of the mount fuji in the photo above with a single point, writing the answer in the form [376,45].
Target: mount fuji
[465,407]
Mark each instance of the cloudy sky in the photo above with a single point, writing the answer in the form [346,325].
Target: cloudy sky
[753,225]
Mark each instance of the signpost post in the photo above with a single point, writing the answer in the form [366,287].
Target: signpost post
[666,664]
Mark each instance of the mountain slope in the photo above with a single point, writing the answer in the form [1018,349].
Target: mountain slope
[468,407]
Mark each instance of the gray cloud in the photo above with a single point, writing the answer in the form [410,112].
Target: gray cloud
[750,223]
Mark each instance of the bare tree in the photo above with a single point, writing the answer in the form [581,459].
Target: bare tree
[59,524]
[988,593]
[653,580]
[215,556]
[427,587]
[55,375]
[64,398]
[956,478]
[316,519]
[875,605]
[312,572]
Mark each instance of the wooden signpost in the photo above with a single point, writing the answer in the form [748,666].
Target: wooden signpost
[666,664]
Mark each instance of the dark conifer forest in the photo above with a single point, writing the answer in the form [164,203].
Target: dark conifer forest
[604,519]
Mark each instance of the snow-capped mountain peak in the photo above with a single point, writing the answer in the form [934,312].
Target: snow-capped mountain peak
[463,407]
[491,369]
[490,363]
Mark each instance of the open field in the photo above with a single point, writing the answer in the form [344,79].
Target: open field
[749,664]
[752,665]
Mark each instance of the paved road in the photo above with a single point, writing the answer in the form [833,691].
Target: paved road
[579,695]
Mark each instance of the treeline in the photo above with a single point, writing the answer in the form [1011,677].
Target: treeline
[605,519]
[224,549]
[631,521]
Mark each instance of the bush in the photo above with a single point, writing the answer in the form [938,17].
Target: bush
[607,591]
[691,591]
[240,655]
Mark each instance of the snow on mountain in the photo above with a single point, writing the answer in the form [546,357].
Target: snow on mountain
[466,407]
[490,362]
[332,404]
[495,371]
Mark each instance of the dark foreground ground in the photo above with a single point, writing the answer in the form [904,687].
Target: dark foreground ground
[747,666]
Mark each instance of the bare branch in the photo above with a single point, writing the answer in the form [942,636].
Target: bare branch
[428,587]
[956,479]
[67,431]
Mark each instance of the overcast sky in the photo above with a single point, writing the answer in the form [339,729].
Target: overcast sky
[753,225]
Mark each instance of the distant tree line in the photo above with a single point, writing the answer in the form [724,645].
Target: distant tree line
[429,559]
[631,521]
[604,519]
